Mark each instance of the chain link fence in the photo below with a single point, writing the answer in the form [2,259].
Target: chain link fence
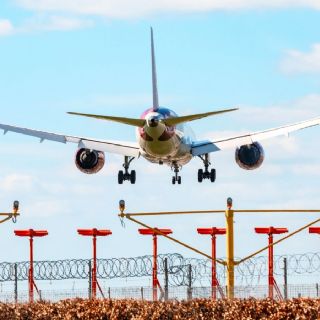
[174,293]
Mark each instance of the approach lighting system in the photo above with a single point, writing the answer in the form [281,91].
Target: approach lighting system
[122,205]
[211,231]
[152,232]
[272,284]
[229,203]
[94,232]
[314,230]
[155,232]
[271,230]
[31,234]
[16,205]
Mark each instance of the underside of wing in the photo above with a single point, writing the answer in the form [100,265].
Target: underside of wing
[117,147]
[207,146]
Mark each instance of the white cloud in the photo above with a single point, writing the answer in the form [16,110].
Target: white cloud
[54,23]
[129,8]
[17,182]
[42,23]
[302,62]
[304,108]
[6,27]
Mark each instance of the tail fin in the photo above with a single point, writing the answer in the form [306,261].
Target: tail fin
[154,76]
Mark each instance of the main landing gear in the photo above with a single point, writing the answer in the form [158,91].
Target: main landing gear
[176,177]
[126,175]
[206,174]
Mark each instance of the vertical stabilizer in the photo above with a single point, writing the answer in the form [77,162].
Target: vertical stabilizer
[154,77]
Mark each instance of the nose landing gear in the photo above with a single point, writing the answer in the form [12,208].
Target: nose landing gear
[176,177]
[126,175]
[206,174]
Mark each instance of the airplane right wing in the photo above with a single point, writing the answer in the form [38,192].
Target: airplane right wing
[203,147]
[118,147]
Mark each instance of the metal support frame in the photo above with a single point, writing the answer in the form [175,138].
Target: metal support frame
[94,233]
[15,270]
[155,281]
[229,214]
[189,289]
[230,250]
[166,279]
[285,278]
[31,234]
[5,216]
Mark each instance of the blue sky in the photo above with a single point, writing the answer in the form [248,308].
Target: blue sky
[59,56]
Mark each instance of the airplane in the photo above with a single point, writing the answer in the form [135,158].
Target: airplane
[162,138]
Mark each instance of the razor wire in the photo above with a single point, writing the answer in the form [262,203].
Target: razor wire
[249,272]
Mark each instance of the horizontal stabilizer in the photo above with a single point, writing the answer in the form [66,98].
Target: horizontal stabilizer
[128,121]
[174,121]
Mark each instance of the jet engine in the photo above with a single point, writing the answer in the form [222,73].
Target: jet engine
[89,161]
[250,156]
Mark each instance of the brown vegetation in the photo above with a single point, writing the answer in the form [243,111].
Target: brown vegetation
[134,309]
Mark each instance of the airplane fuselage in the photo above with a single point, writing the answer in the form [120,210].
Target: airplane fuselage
[163,144]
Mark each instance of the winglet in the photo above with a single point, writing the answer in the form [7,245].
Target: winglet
[154,76]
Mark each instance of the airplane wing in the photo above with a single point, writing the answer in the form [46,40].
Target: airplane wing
[124,148]
[202,147]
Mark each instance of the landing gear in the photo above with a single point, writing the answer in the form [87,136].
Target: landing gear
[126,175]
[206,174]
[176,177]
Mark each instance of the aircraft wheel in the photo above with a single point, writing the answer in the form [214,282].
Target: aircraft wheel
[213,175]
[200,175]
[173,180]
[179,180]
[133,177]
[120,177]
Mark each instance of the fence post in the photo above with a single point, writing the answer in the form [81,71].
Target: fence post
[142,298]
[317,289]
[90,280]
[189,290]
[285,276]
[15,282]
[109,293]
[166,280]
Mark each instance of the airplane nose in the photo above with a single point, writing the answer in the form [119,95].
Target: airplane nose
[153,122]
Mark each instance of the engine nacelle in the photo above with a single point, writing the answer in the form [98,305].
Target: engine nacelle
[250,156]
[89,161]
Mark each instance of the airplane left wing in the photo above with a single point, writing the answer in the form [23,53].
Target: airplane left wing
[118,147]
[207,146]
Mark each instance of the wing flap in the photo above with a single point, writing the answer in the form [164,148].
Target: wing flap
[42,135]
[202,147]
[118,147]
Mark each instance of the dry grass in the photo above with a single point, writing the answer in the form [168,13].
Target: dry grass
[134,309]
